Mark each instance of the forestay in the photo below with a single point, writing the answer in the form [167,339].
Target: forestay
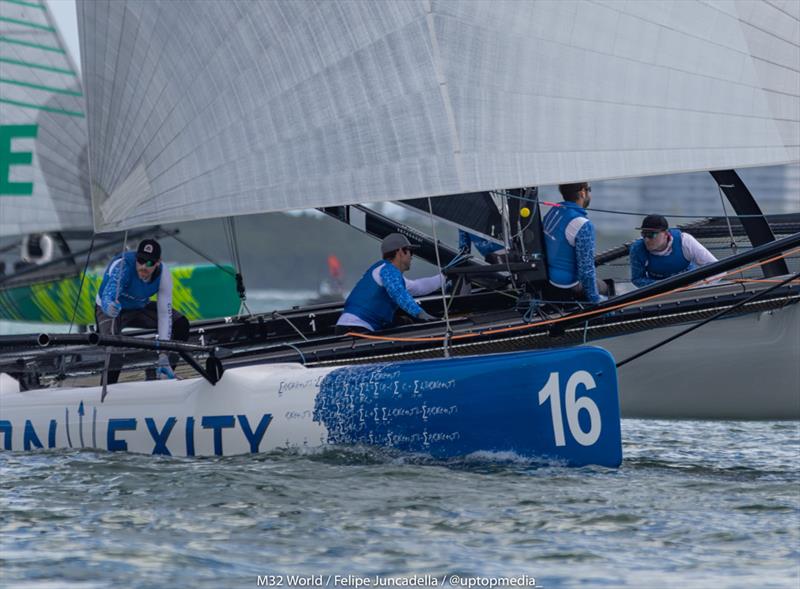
[221,108]
[44,175]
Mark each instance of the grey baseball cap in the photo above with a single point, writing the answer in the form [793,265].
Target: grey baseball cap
[394,241]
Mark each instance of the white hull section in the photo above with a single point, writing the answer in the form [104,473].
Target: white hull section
[208,420]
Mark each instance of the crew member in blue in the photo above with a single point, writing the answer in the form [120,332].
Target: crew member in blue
[382,289]
[488,249]
[123,300]
[569,244]
[662,252]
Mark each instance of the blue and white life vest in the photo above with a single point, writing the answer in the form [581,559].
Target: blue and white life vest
[658,267]
[134,293]
[561,263]
[369,301]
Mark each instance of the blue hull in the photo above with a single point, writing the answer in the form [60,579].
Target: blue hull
[560,405]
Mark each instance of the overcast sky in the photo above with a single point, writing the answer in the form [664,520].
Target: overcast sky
[63,12]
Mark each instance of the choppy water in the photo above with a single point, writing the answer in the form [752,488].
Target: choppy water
[695,504]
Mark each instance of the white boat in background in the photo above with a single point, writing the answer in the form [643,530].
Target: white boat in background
[218,109]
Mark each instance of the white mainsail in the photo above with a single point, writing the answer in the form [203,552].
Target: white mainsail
[218,108]
[44,174]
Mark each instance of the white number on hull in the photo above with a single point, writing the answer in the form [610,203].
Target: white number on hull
[551,390]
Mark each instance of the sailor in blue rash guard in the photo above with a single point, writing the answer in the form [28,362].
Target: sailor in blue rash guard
[570,244]
[382,289]
[123,300]
[662,252]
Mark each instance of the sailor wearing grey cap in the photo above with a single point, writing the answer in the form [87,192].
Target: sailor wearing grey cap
[664,252]
[382,289]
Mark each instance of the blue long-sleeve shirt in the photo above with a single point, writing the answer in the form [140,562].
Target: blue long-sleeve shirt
[395,286]
[122,285]
[383,284]
[584,255]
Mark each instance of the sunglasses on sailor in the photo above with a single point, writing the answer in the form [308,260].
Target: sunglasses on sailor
[650,234]
[407,250]
[144,262]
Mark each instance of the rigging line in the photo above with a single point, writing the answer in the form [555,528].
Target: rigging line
[300,333]
[202,255]
[528,224]
[449,331]
[233,246]
[589,313]
[107,361]
[631,213]
[751,266]
[235,239]
[80,287]
[296,349]
[732,244]
[239,265]
[755,281]
[535,202]
[506,217]
[709,320]
[457,259]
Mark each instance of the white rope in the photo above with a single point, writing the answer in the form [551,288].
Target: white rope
[444,296]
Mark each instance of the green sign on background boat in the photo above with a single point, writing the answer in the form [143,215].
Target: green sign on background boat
[199,292]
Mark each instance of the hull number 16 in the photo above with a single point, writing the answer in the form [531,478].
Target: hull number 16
[573,407]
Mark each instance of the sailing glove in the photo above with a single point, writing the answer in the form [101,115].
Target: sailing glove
[425,316]
[112,309]
[164,370]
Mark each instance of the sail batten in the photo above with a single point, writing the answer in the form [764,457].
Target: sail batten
[199,110]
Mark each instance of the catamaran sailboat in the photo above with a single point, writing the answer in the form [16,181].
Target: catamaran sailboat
[223,109]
